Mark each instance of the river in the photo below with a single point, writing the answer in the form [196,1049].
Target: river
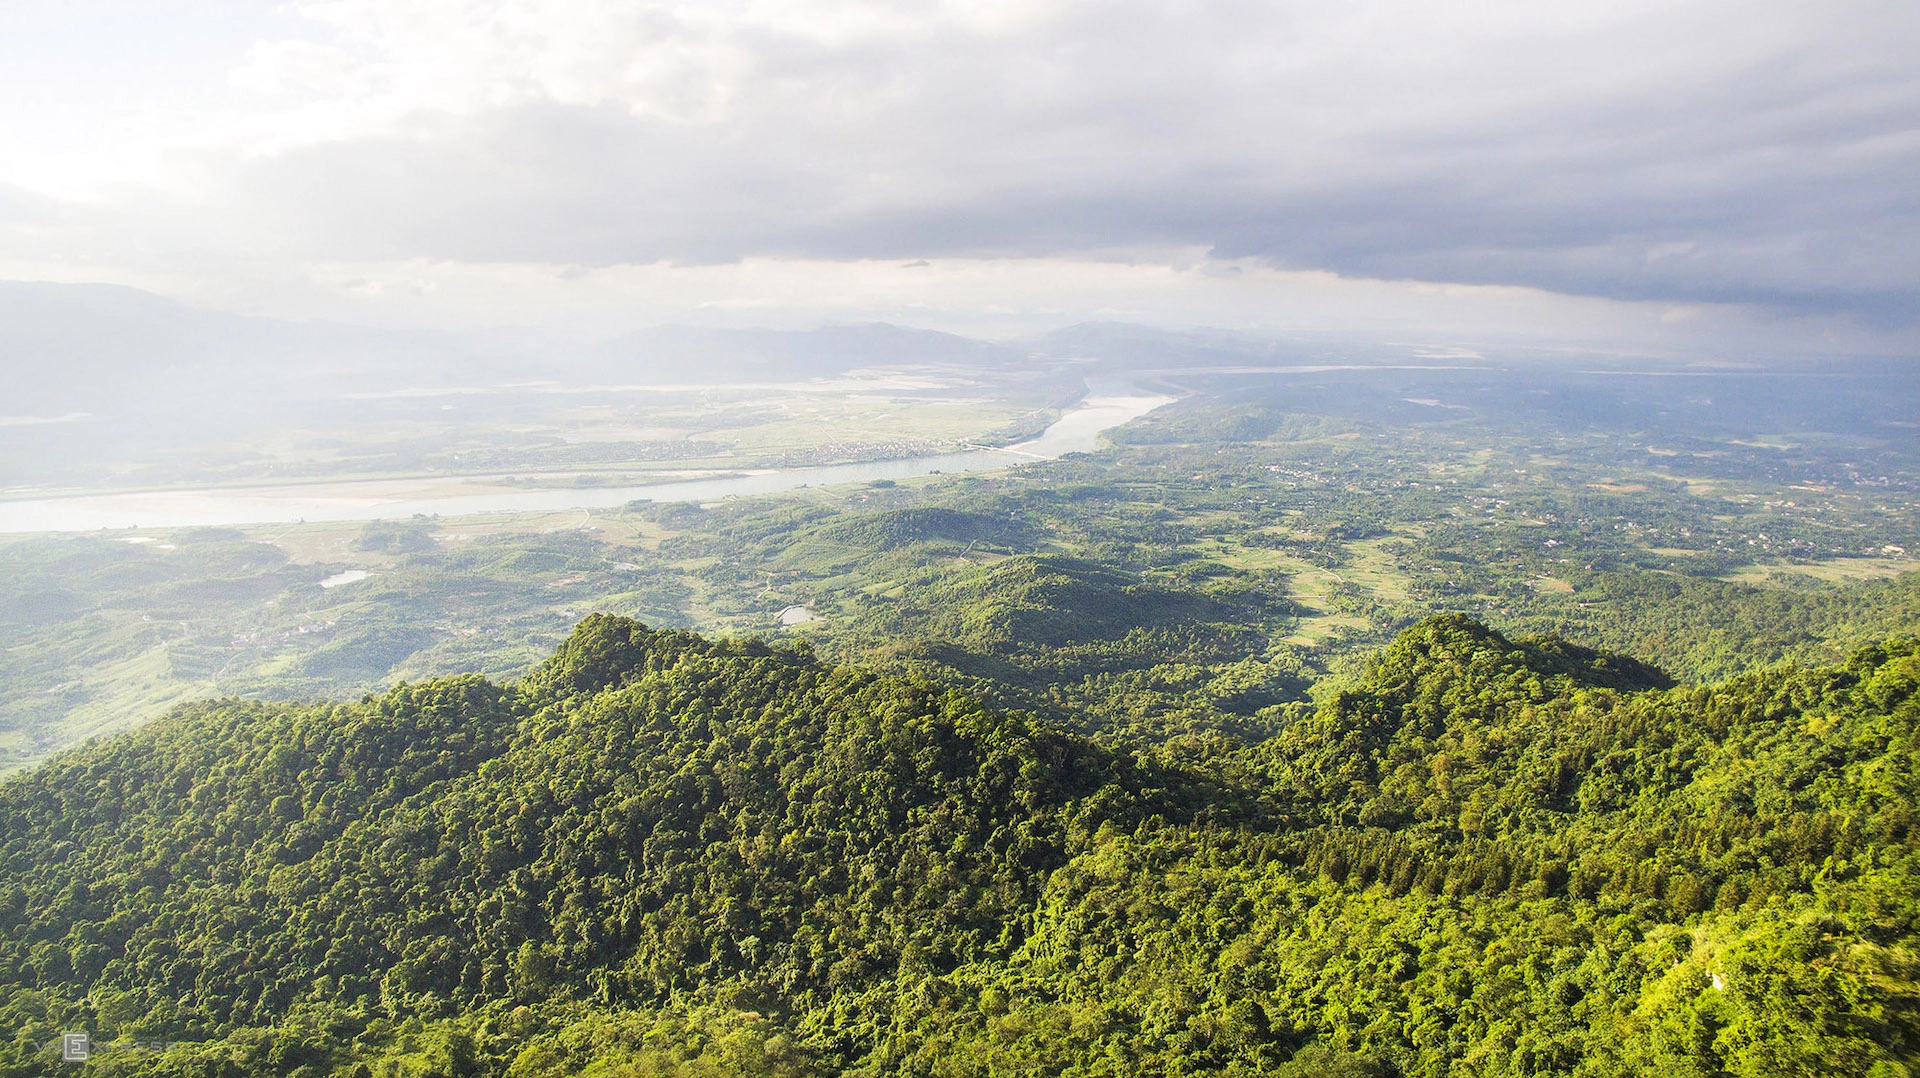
[1076,431]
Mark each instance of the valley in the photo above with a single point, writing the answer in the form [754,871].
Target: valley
[1320,507]
[946,540]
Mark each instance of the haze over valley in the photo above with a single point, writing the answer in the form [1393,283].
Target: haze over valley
[851,539]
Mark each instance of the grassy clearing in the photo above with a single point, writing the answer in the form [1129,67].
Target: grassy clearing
[1834,571]
[1371,567]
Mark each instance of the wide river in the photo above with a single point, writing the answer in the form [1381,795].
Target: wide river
[1077,431]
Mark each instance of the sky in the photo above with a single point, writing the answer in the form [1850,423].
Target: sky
[1697,177]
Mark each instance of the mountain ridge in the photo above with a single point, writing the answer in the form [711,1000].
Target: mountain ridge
[657,849]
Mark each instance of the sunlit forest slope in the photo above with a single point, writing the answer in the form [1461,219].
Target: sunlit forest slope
[662,854]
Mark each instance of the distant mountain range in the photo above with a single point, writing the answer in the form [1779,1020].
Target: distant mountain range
[105,348]
[68,347]
[102,372]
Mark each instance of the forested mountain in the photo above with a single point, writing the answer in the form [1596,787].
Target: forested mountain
[661,854]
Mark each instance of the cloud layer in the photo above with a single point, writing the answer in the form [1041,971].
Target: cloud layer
[1763,152]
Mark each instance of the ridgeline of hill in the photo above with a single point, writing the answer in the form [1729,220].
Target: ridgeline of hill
[659,854]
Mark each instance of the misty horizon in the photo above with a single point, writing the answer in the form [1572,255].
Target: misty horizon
[1719,181]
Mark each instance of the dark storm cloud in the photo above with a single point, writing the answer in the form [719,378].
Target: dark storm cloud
[1762,152]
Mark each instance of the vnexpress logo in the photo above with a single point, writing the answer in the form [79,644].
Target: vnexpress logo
[75,1047]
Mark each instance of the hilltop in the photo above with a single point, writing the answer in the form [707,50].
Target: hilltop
[659,853]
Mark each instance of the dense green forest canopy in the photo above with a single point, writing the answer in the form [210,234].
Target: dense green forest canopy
[663,854]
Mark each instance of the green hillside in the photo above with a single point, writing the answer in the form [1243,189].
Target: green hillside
[661,854]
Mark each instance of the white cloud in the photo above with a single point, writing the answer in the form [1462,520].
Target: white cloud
[1011,297]
[1759,152]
